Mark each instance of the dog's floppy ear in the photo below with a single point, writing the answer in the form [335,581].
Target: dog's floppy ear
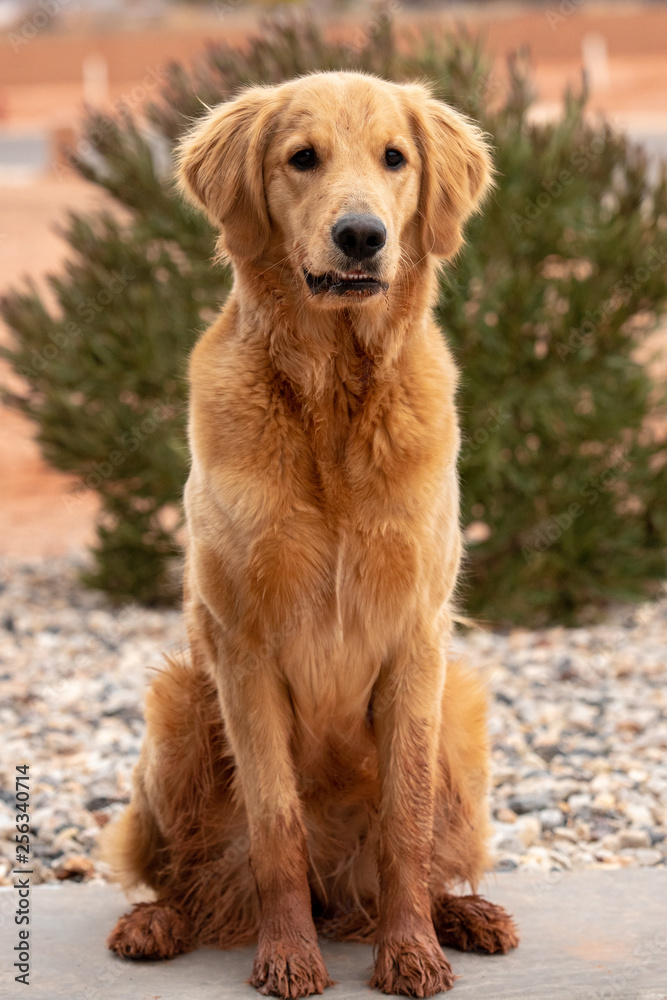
[456,170]
[220,167]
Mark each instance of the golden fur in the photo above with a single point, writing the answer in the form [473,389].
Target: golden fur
[318,764]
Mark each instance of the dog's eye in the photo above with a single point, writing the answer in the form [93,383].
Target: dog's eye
[394,158]
[305,159]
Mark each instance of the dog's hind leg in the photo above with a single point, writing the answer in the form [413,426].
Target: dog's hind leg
[133,845]
[134,848]
[469,923]
[472,923]
[182,835]
[151,930]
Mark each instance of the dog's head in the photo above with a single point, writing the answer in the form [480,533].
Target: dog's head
[338,182]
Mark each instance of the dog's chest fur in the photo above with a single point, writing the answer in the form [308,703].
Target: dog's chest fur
[326,513]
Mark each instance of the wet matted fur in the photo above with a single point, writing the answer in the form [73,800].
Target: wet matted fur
[318,764]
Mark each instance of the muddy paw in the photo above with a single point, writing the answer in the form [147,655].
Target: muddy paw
[472,923]
[412,968]
[150,931]
[286,971]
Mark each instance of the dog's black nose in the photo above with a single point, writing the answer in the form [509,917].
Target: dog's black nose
[359,236]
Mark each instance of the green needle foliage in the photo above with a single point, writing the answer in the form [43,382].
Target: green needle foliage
[562,466]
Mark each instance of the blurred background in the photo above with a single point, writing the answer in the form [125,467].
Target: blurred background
[555,312]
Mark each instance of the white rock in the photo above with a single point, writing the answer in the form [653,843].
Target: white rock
[528,828]
[639,815]
[550,818]
[604,802]
[634,838]
[648,856]
[579,801]
[565,833]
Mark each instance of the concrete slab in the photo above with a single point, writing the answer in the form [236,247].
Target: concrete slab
[589,935]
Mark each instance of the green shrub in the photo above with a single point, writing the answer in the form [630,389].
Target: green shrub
[564,274]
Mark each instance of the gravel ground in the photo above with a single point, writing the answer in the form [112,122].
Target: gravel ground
[578,722]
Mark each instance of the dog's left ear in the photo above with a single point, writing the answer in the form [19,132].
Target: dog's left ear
[457,171]
[221,168]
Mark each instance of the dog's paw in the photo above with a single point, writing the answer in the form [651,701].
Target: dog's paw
[288,971]
[472,923]
[150,931]
[412,968]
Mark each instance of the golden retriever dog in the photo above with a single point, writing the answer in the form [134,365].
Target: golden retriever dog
[318,765]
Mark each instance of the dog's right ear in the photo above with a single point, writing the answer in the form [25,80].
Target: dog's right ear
[221,166]
[457,171]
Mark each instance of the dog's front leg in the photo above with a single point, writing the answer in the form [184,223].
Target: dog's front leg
[406,712]
[258,718]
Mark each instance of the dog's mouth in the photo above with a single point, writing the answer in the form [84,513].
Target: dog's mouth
[353,284]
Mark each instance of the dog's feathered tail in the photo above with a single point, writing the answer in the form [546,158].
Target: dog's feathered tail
[184,834]
[132,844]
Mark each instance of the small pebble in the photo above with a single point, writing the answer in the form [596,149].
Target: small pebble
[580,802]
[565,833]
[76,867]
[604,802]
[506,815]
[634,838]
[550,818]
[529,829]
[648,856]
[529,802]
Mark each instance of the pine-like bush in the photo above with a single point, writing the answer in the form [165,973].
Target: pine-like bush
[563,474]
